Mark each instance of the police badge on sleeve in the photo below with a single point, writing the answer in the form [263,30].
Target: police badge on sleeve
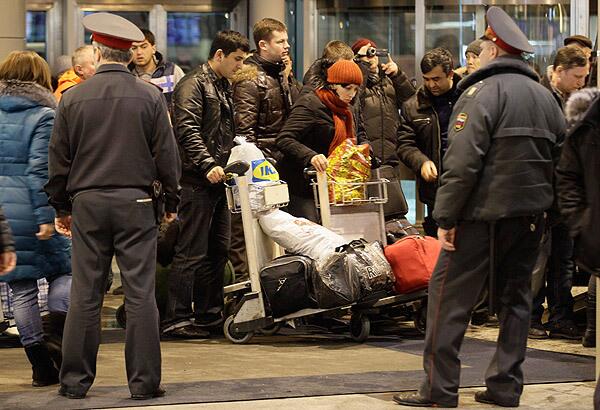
[461,121]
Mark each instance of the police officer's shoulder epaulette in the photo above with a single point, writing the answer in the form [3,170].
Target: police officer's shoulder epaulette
[473,90]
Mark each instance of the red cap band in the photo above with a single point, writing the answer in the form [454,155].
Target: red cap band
[112,42]
[493,37]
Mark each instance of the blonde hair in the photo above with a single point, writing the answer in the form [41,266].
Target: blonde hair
[26,66]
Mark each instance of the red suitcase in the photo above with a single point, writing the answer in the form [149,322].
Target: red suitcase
[413,259]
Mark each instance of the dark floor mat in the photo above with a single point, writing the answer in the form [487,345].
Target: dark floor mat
[539,367]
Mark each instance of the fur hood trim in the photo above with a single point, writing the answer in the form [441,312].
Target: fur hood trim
[28,90]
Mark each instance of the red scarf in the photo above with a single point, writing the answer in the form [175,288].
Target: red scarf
[342,117]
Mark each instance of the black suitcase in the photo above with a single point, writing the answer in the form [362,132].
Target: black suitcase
[285,284]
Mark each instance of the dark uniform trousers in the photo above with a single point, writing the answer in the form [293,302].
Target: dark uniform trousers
[454,289]
[201,253]
[107,222]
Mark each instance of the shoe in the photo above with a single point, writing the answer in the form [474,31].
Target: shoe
[44,372]
[564,330]
[414,399]
[588,339]
[62,391]
[209,320]
[485,397]
[537,332]
[188,332]
[479,318]
[159,392]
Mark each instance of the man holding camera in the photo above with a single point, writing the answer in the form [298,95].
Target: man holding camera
[387,87]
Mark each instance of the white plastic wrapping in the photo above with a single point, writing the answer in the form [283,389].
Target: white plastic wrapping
[299,235]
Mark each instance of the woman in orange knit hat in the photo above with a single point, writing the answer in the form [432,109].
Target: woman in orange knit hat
[318,123]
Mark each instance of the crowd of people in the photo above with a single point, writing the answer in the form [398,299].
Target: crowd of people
[125,141]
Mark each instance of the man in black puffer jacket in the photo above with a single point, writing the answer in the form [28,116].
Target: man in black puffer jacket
[204,127]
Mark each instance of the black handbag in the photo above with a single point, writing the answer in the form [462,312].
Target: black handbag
[285,284]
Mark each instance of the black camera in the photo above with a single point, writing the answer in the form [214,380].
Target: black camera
[379,52]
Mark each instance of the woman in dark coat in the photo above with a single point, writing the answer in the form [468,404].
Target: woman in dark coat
[26,119]
[319,122]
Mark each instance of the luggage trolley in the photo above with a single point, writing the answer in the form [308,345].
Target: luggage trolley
[249,314]
[362,216]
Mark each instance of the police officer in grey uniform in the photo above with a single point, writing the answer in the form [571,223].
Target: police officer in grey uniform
[496,185]
[112,142]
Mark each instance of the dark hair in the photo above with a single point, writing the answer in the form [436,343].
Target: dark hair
[570,57]
[148,35]
[229,41]
[337,50]
[263,29]
[437,56]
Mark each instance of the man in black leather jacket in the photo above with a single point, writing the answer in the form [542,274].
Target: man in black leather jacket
[204,127]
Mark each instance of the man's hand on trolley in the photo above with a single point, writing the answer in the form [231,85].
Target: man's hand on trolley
[319,162]
[216,175]
[63,225]
[446,238]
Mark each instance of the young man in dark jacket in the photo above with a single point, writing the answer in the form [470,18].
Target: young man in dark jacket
[423,134]
[204,128]
[150,65]
[568,74]
[263,93]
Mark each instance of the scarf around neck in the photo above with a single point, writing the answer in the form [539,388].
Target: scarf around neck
[342,117]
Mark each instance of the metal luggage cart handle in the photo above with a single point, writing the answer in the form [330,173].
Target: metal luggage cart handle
[378,187]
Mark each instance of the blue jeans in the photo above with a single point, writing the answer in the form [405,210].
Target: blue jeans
[26,309]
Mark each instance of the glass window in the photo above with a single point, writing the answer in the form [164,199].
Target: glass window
[189,36]
[139,18]
[454,26]
[391,27]
[294,28]
[35,29]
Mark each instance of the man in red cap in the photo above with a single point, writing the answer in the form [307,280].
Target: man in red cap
[112,150]
[496,185]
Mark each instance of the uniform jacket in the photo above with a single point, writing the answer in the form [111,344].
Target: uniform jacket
[112,131]
[499,163]
[263,101]
[203,121]
[166,75]
[383,97]
[26,118]
[419,139]
[577,178]
[7,244]
[308,131]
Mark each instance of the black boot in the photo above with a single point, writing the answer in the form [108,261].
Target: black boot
[44,372]
[54,324]
[589,338]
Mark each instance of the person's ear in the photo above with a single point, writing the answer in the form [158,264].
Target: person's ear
[154,49]
[262,44]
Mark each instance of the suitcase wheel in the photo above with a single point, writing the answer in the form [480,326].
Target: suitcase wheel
[271,330]
[360,327]
[232,335]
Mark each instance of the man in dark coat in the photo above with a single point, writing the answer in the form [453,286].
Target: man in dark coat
[496,185]
[204,126]
[111,150]
[423,133]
